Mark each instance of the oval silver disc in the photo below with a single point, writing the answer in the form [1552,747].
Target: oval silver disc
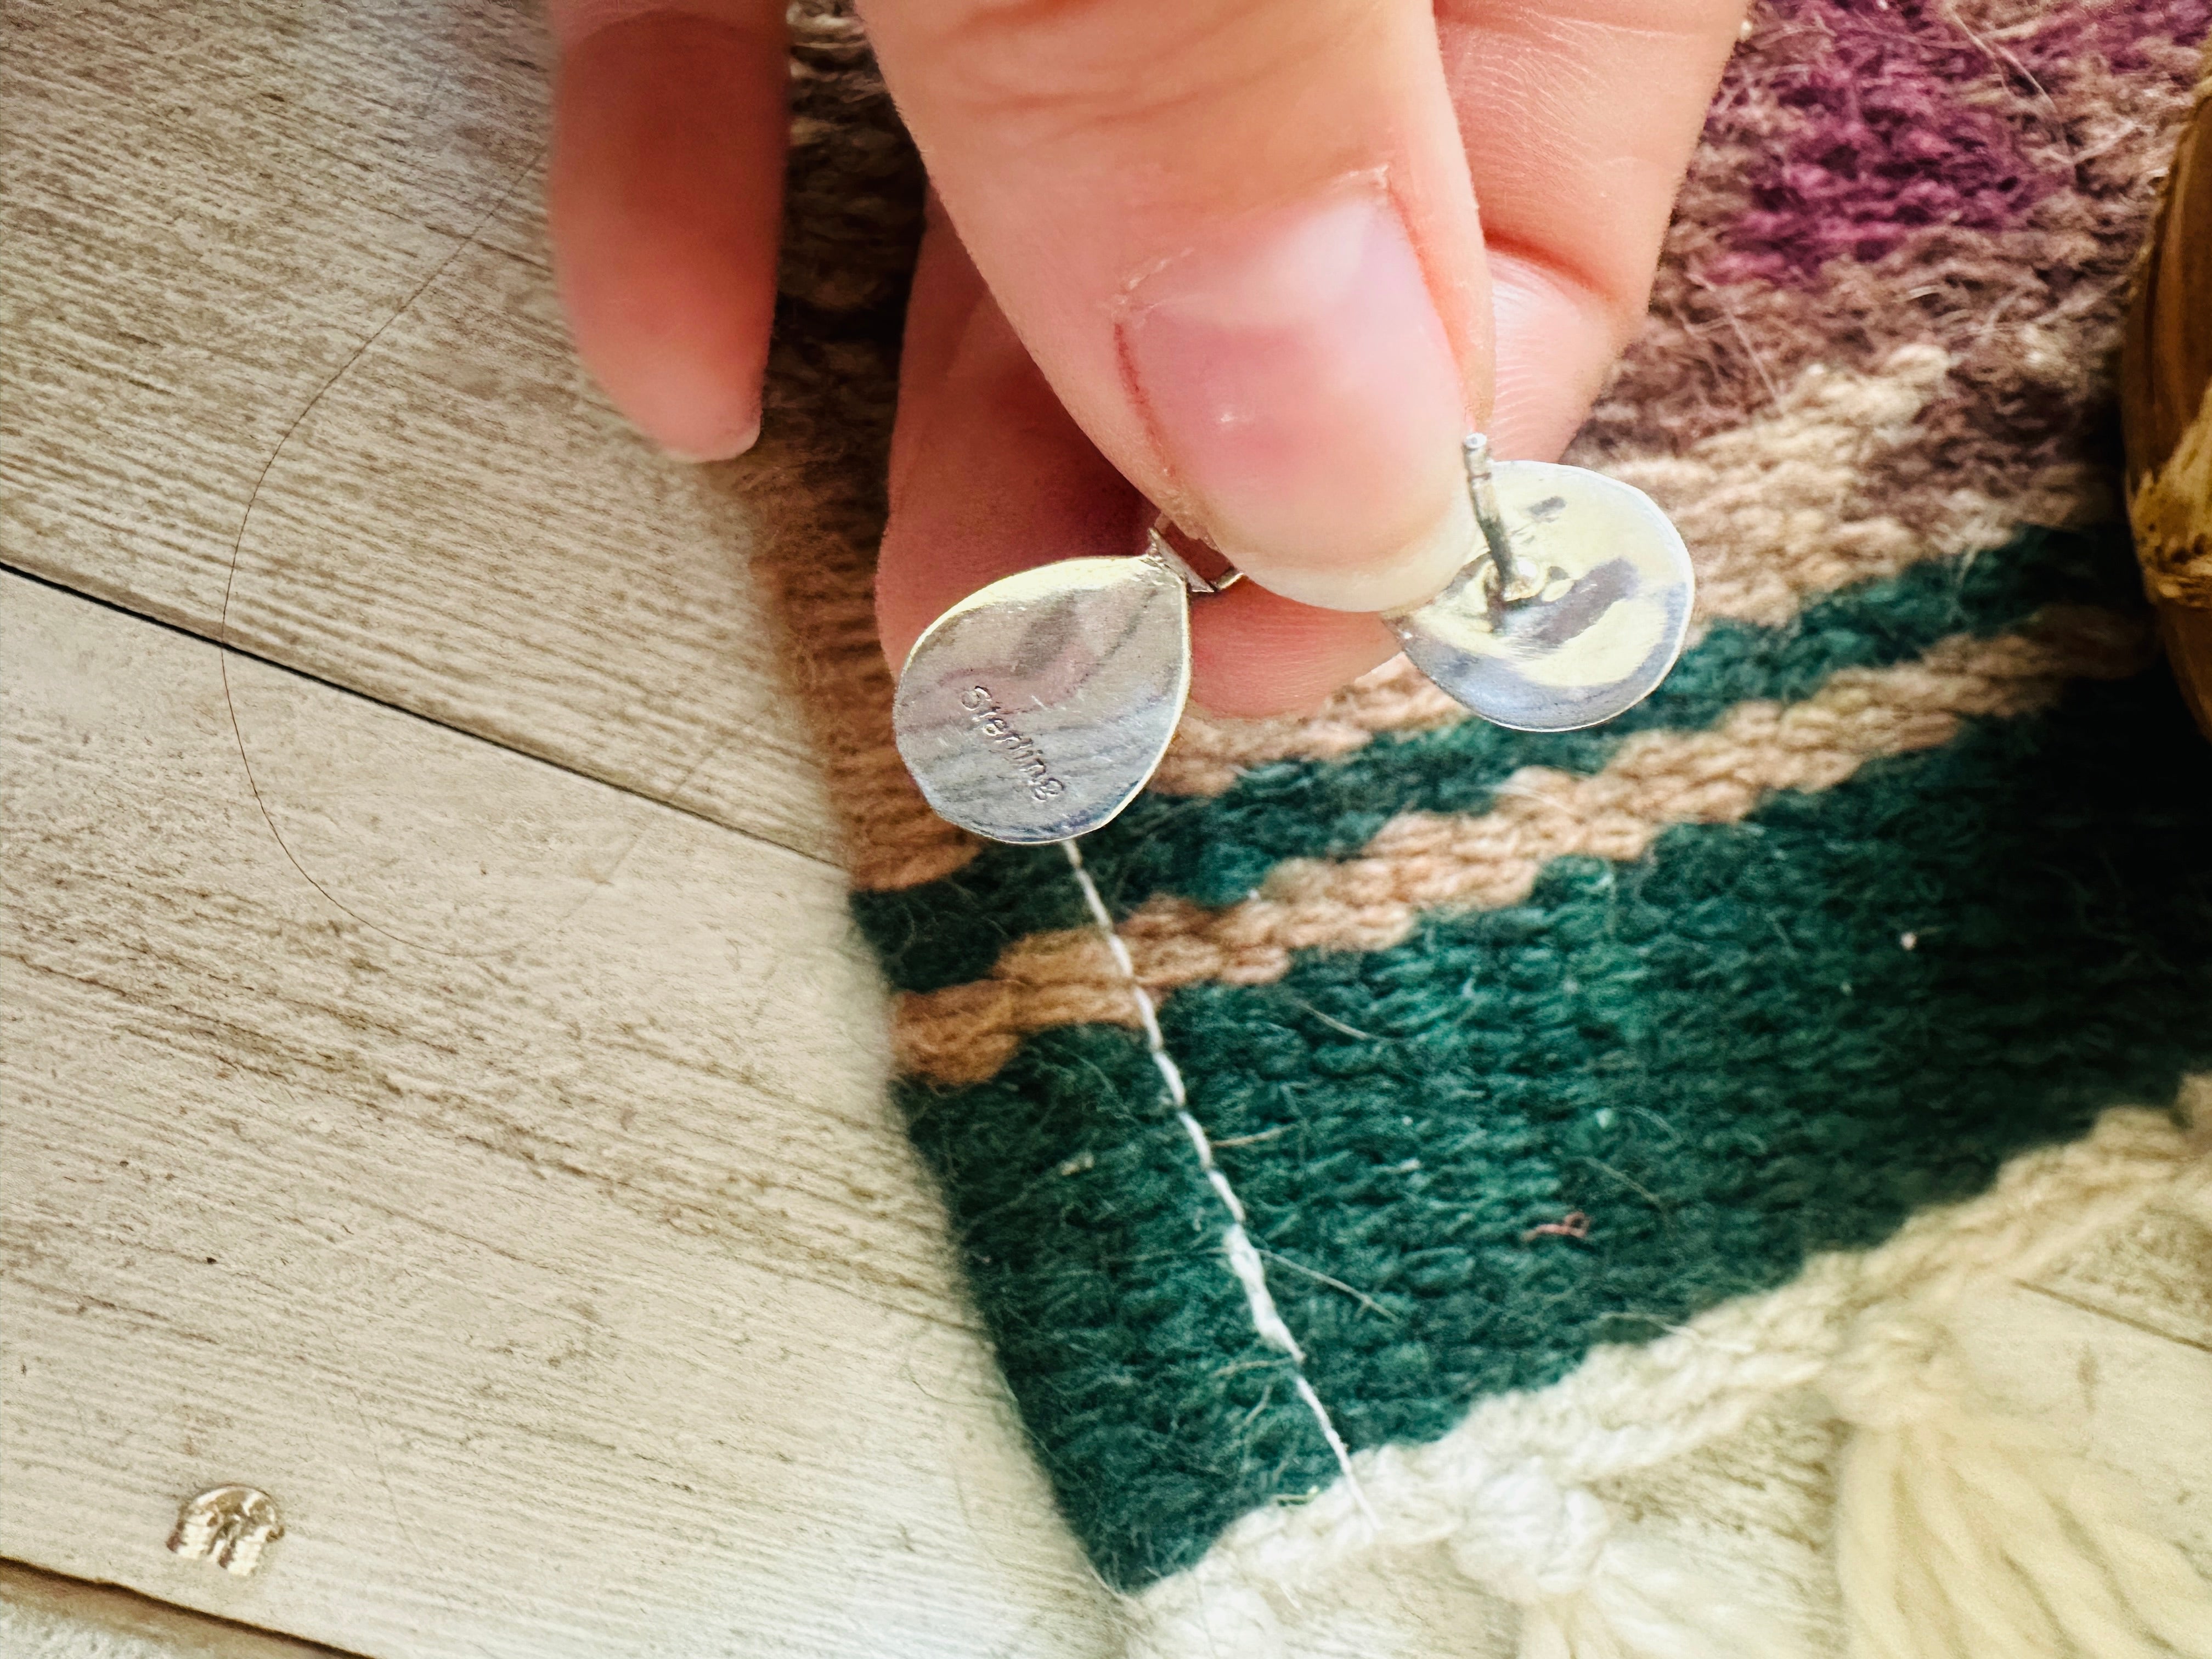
[1609,587]
[1035,710]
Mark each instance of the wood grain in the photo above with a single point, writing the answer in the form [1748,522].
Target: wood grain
[281,361]
[45,1616]
[557,1271]
[2129,1398]
[2155,1275]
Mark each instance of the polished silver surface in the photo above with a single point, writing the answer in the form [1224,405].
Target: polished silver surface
[1574,611]
[1035,710]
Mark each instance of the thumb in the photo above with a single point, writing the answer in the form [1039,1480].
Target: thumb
[1238,238]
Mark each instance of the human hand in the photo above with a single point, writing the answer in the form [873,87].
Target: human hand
[1223,256]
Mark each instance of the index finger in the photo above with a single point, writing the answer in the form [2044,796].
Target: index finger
[1578,124]
[1579,118]
[1237,238]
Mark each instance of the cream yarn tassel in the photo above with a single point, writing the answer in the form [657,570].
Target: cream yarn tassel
[1963,1532]
[1644,1604]
[1587,1590]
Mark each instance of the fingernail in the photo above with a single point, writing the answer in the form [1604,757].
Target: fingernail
[726,450]
[1303,390]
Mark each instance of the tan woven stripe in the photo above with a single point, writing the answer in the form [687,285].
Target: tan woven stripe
[1775,512]
[1423,861]
[824,584]
[1784,483]
[1779,509]
[1208,754]
[815,482]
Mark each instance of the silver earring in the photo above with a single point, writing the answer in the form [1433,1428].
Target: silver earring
[1035,710]
[1574,611]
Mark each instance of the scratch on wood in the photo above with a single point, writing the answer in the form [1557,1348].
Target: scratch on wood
[245,521]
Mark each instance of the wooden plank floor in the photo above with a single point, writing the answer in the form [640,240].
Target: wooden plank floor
[486,1156]
[519,1210]
[442,1088]
[281,337]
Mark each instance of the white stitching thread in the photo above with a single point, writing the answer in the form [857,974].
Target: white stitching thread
[1243,1256]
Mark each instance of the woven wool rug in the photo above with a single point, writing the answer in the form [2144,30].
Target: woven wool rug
[1545,1109]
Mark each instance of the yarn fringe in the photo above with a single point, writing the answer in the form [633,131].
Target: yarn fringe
[1644,1601]
[1584,1590]
[1961,1529]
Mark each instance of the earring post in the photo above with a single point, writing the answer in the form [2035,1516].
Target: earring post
[1482,491]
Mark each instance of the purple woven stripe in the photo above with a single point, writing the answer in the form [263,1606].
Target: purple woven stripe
[1903,114]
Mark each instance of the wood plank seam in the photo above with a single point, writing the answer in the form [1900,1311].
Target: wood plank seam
[490,741]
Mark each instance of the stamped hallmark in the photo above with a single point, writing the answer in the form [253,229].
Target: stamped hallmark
[1031,767]
[1034,709]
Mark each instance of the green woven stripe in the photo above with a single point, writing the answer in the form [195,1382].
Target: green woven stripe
[1215,851]
[1092,1243]
[1724,1054]
[944,933]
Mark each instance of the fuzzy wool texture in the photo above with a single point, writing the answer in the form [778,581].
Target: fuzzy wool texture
[1571,1500]
[1900,878]
[1966,1529]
